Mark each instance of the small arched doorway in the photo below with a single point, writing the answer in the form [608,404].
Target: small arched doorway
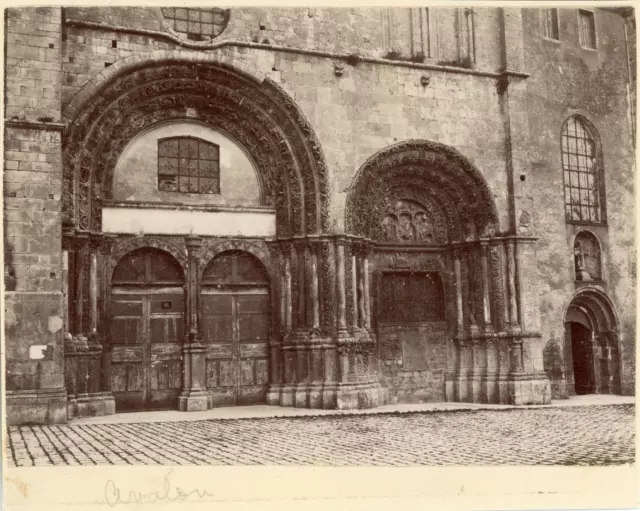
[146,330]
[591,345]
[236,323]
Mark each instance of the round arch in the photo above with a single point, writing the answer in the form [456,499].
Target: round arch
[141,93]
[438,172]
[211,252]
[125,246]
[598,307]
[592,343]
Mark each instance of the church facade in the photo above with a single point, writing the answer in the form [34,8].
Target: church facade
[320,208]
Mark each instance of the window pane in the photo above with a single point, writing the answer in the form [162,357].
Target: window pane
[208,151]
[189,167]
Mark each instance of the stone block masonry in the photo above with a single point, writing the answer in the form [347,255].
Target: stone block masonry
[32,221]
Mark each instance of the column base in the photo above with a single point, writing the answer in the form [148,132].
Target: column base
[194,401]
[301,399]
[72,407]
[274,395]
[95,404]
[354,396]
[36,407]
[529,389]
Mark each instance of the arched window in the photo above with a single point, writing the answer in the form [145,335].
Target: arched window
[587,256]
[188,165]
[197,24]
[583,179]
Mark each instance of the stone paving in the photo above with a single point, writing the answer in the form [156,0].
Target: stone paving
[586,435]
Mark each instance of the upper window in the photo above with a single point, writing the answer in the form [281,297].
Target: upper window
[189,165]
[583,190]
[587,29]
[550,24]
[197,24]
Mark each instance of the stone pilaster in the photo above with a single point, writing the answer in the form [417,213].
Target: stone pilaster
[194,396]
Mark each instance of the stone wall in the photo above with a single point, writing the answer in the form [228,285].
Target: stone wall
[136,174]
[567,79]
[356,109]
[32,224]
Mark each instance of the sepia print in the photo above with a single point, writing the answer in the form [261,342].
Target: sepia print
[319,236]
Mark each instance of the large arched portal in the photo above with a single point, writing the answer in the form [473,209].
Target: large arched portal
[260,116]
[445,312]
[145,109]
[592,364]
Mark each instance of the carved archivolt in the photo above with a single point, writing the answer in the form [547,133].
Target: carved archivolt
[123,246]
[213,249]
[450,196]
[260,117]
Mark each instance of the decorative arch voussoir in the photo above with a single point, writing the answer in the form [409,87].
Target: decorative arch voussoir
[218,247]
[430,165]
[107,114]
[122,247]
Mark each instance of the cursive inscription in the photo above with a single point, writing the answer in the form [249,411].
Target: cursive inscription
[114,495]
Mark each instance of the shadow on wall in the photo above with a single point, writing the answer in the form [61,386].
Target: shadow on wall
[554,367]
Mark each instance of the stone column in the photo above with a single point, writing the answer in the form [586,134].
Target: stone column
[194,396]
[81,263]
[465,363]
[301,319]
[277,324]
[595,363]
[356,289]
[93,293]
[472,289]
[288,311]
[366,289]
[341,292]
[514,320]
[486,310]
[315,295]
[458,284]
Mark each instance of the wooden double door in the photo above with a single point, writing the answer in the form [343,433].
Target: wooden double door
[235,305]
[146,331]
[146,348]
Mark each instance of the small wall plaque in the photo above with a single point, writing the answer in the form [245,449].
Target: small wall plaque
[166,305]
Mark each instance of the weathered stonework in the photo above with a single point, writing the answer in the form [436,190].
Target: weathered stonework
[416,144]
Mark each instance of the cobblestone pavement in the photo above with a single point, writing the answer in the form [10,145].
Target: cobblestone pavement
[588,435]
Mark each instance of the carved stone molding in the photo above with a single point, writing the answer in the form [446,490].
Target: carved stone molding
[435,176]
[262,118]
[123,246]
[212,248]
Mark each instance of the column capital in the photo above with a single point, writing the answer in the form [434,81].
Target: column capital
[193,243]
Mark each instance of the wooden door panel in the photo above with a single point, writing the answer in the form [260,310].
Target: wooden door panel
[219,351]
[211,373]
[166,320]
[226,369]
[262,371]
[254,350]
[236,329]
[216,303]
[217,328]
[127,350]
[246,372]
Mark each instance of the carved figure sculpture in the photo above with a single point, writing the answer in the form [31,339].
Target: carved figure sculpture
[390,227]
[424,229]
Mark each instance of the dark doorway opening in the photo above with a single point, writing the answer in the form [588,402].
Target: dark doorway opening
[582,354]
